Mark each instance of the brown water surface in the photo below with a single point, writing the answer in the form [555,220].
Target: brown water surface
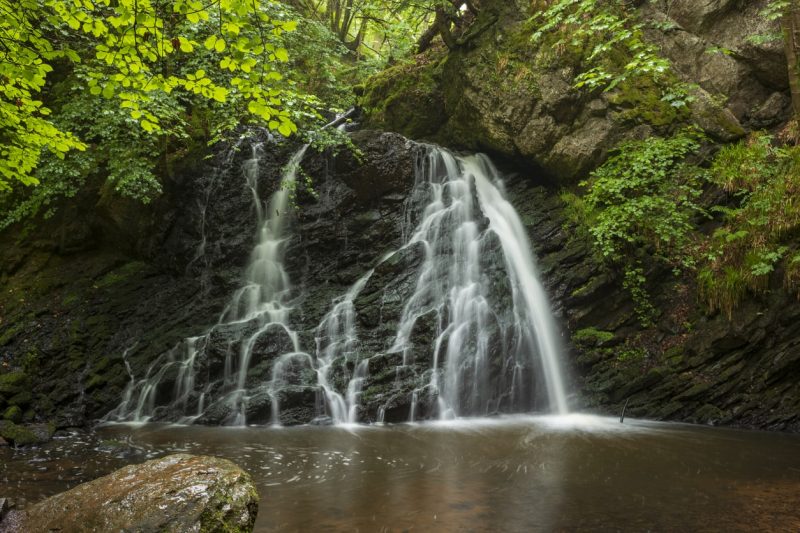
[573,473]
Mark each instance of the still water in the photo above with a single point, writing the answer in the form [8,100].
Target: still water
[565,473]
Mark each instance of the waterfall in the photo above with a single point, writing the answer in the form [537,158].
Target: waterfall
[263,299]
[259,308]
[453,199]
[336,343]
[493,344]
[535,315]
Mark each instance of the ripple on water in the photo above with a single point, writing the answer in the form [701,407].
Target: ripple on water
[513,473]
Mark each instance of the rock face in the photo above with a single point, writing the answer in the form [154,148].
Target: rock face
[502,94]
[693,365]
[178,493]
[92,317]
[106,277]
[83,319]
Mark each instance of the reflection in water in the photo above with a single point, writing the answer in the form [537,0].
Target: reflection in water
[513,474]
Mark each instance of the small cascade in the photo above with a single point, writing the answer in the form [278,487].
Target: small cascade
[336,344]
[127,394]
[262,302]
[260,307]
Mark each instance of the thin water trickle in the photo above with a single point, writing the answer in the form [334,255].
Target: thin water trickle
[260,305]
[337,343]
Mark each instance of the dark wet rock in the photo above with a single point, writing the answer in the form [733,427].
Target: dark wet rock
[259,408]
[298,405]
[175,493]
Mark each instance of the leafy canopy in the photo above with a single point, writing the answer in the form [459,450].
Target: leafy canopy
[132,50]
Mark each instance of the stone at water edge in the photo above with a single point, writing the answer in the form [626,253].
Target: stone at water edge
[177,493]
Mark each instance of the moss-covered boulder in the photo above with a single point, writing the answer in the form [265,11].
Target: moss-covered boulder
[12,384]
[176,493]
[408,96]
[13,414]
[25,435]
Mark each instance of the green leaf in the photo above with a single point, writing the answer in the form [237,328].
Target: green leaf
[285,129]
[219,94]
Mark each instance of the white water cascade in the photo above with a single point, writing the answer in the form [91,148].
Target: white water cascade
[456,195]
[263,299]
[492,344]
[336,340]
[261,306]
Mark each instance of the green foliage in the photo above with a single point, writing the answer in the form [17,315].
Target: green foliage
[763,180]
[124,153]
[774,10]
[631,354]
[606,36]
[645,195]
[133,51]
[645,198]
[375,29]
[579,213]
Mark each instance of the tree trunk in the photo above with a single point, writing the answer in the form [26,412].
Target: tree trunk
[790,24]
[441,26]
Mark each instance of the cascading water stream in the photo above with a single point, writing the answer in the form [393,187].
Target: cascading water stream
[336,342]
[458,195]
[494,345]
[259,306]
[528,290]
[264,297]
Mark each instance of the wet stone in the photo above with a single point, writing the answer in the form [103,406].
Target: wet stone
[176,493]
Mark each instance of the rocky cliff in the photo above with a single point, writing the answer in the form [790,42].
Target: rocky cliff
[500,92]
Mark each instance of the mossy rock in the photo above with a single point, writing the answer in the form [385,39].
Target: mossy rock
[13,414]
[592,337]
[12,383]
[18,435]
[120,274]
[175,493]
[406,99]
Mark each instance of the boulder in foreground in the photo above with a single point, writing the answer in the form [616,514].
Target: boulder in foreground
[177,493]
